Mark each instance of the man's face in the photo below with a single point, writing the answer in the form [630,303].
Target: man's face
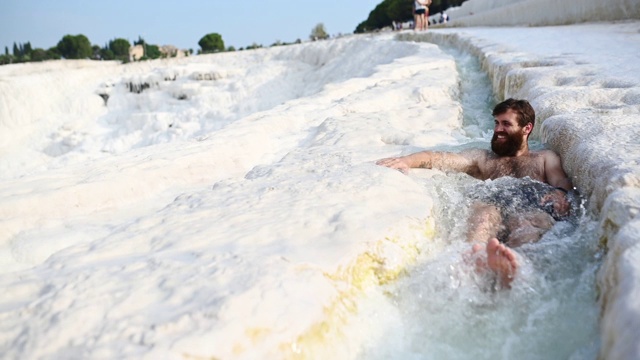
[508,136]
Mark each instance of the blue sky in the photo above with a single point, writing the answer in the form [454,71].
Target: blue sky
[179,23]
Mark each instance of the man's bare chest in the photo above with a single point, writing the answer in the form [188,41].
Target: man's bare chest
[518,167]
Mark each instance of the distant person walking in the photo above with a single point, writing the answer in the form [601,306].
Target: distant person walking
[420,12]
[427,3]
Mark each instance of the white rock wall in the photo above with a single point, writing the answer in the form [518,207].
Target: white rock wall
[541,12]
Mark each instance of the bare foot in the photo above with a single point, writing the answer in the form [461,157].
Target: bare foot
[502,260]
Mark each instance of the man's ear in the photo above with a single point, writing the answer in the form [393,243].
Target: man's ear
[527,128]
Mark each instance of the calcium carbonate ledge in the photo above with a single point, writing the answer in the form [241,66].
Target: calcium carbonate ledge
[382,263]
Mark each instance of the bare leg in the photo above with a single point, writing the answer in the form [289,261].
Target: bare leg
[426,19]
[523,228]
[484,223]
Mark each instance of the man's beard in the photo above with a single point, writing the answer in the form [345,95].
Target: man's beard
[509,147]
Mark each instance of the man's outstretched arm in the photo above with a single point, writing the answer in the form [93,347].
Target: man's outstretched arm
[466,161]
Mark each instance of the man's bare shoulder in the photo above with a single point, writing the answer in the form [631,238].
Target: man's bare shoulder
[546,154]
[476,153]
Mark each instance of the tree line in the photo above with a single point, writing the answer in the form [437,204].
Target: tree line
[388,11]
[79,47]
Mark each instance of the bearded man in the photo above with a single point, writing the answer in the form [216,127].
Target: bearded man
[518,212]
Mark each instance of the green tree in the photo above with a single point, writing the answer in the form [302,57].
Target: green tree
[140,41]
[400,10]
[106,53]
[378,18]
[95,52]
[6,59]
[254,46]
[120,48]
[39,55]
[53,53]
[319,32]
[152,51]
[211,43]
[74,47]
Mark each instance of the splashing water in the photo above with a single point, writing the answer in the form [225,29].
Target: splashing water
[443,309]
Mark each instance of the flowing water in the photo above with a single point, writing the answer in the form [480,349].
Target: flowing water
[442,309]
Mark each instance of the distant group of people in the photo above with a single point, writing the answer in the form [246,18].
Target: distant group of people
[421,17]
[421,14]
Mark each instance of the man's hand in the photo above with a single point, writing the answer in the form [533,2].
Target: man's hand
[558,199]
[397,163]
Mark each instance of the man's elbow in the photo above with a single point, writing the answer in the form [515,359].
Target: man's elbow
[565,184]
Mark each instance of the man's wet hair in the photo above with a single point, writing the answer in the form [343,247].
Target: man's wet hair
[522,108]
